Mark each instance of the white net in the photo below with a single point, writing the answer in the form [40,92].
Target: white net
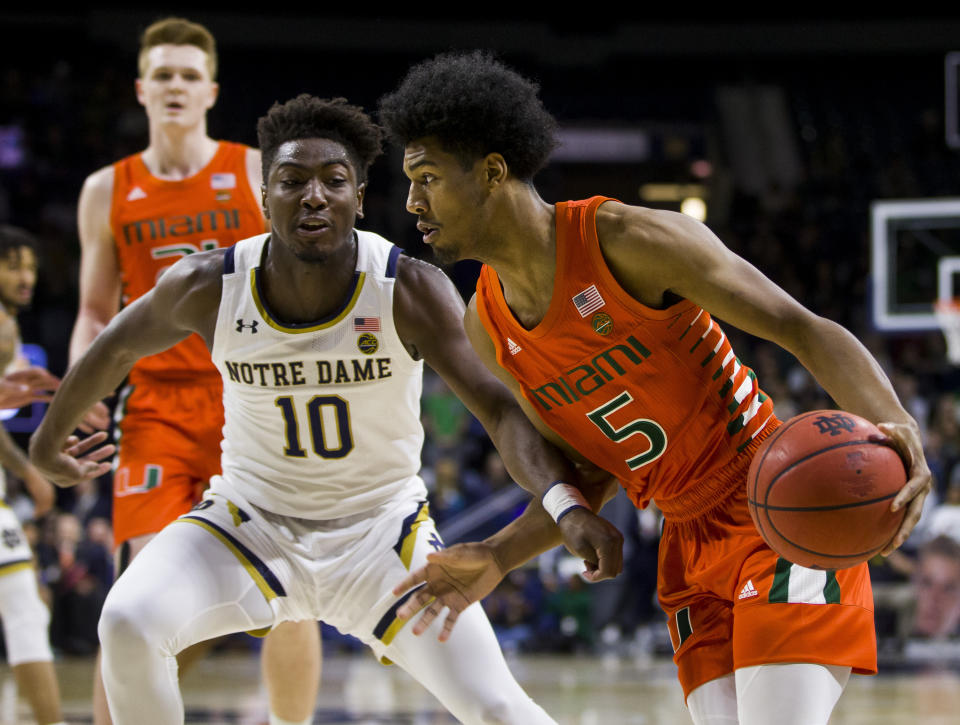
[948,317]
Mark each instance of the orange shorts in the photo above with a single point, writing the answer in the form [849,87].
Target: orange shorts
[731,602]
[168,436]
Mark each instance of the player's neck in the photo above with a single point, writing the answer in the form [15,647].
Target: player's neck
[174,156]
[523,251]
[300,292]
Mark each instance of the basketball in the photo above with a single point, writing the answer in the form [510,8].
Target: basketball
[820,488]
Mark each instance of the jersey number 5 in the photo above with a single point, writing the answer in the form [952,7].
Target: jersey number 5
[651,430]
[336,445]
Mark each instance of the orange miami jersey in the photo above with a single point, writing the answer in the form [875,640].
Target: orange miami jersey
[656,397]
[156,222]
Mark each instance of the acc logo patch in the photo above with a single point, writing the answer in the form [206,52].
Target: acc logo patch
[602,323]
[368,343]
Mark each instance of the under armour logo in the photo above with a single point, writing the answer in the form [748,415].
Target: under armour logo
[834,424]
[11,538]
[252,326]
[435,542]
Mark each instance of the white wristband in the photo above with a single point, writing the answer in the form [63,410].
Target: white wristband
[562,498]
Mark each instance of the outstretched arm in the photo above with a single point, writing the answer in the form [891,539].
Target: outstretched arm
[185,300]
[456,577]
[656,253]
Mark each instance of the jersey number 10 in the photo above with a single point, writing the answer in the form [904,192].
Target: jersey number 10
[336,445]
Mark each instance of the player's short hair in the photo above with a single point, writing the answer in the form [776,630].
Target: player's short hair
[307,116]
[13,239]
[473,105]
[178,31]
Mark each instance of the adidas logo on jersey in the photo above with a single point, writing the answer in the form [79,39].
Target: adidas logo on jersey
[748,590]
[136,193]
[513,347]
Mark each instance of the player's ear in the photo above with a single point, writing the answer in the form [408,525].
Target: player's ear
[214,94]
[494,170]
[263,201]
[361,190]
[138,87]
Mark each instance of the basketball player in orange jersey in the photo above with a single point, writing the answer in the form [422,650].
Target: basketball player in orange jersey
[600,316]
[185,193]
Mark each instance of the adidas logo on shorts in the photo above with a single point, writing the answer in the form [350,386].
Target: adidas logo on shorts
[748,590]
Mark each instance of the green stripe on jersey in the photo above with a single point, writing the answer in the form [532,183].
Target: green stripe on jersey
[798,585]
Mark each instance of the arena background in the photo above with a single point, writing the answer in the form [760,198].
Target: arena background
[787,128]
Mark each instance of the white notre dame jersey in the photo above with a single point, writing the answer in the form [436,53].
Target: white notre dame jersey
[322,420]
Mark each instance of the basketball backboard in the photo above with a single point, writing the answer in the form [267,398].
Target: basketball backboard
[915,260]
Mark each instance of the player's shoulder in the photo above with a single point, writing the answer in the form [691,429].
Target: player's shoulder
[100,182]
[416,274]
[625,224]
[424,293]
[199,268]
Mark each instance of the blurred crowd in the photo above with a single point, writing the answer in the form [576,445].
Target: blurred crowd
[61,120]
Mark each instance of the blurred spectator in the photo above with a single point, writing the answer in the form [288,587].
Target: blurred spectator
[943,437]
[443,482]
[77,579]
[570,605]
[514,607]
[89,503]
[908,390]
[496,476]
[945,518]
[445,419]
[622,605]
[936,581]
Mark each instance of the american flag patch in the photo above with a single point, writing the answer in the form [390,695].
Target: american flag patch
[588,301]
[366,324]
[223,181]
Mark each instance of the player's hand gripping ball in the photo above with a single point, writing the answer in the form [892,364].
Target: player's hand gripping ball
[820,488]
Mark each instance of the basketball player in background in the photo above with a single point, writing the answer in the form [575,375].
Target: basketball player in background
[26,619]
[319,332]
[599,315]
[185,193]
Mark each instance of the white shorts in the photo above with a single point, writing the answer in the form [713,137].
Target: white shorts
[339,571]
[14,549]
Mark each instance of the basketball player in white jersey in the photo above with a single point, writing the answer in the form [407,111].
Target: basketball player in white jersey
[319,332]
[26,618]
[185,191]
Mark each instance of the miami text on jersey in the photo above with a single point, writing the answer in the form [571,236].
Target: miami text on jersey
[591,375]
[180,225]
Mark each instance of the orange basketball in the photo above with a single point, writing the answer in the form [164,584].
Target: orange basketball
[820,489]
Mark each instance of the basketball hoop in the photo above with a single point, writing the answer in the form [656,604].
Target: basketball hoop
[948,317]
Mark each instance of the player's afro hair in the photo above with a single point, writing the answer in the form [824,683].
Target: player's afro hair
[473,105]
[307,116]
